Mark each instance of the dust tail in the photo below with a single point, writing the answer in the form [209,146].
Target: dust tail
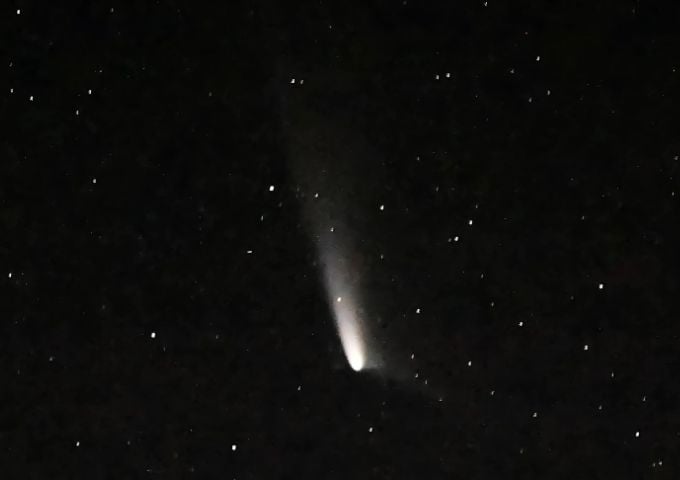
[328,163]
[336,175]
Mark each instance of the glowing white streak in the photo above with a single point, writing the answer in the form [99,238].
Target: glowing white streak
[344,302]
[351,337]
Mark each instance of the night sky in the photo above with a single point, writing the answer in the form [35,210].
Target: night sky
[340,240]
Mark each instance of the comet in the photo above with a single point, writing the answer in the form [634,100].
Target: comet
[327,162]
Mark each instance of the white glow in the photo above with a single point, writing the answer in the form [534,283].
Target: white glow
[351,338]
[340,281]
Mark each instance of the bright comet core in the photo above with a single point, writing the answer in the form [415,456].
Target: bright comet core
[340,283]
[351,337]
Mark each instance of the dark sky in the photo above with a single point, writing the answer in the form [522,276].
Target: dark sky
[499,180]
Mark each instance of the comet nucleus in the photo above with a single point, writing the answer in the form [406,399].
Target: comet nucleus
[350,334]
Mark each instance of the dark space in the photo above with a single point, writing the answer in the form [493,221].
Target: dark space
[185,188]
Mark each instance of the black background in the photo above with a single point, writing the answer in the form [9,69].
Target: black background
[192,116]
